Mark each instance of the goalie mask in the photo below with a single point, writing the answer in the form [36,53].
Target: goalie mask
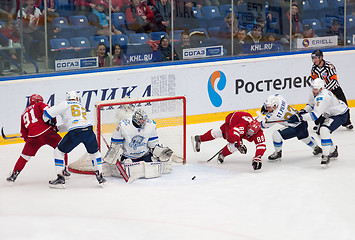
[253,128]
[139,118]
[35,98]
[72,95]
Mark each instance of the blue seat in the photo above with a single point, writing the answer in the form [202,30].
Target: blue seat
[138,49]
[119,21]
[315,23]
[177,35]
[61,49]
[95,40]
[214,32]
[120,39]
[350,21]
[322,9]
[138,38]
[196,13]
[81,26]
[78,20]
[227,8]
[210,12]
[325,21]
[82,45]
[61,22]
[156,36]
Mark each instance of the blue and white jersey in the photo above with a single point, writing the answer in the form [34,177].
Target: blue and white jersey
[282,113]
[136,142]
[73,115]
[326,104]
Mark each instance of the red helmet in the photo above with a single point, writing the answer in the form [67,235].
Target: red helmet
[35,98]
[253,128]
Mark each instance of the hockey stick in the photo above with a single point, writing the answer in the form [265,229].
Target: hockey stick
[5,137]
[118,164]
[215,155]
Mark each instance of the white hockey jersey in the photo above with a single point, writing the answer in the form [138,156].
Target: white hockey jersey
[282,112]
[136,142]
[326,104]
[73,115]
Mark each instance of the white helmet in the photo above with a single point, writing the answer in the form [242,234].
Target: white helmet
[72,95]
[271,101]
[317,84]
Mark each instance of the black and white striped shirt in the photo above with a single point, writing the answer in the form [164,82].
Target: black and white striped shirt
[327,73]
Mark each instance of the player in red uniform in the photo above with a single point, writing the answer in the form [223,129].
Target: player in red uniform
[237,126]
[36,134]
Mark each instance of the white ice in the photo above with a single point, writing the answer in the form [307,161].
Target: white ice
[294,199]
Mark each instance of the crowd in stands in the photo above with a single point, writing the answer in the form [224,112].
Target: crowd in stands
[196,23]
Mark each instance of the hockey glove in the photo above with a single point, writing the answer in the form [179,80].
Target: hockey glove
[302,111]
[241,148]
[52,122]
[263,110]
[256,163]
[295,119]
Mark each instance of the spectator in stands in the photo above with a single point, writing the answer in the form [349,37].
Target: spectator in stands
[226,29]
[10,32]
[334,30]
[140,17]
[166,50]
[184,44]
[211,3]
[104,26]
[184,18]
[8,9]
[83,7]
[31,30]
[296,27]
[50,6]
[255,35]
[163,8]
[241,35]
[118,57]
[103,57]
[308,32]
[197,38]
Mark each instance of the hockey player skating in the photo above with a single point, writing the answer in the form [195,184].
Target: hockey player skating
[80,130]
[322,102]
[36,133]
[277,110]
[237,126]
[326,71]
[135,144]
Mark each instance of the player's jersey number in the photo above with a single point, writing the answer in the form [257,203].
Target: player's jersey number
[29,117]
[77,111]
[290,111]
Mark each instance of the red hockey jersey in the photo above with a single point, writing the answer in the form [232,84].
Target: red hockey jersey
[32,124]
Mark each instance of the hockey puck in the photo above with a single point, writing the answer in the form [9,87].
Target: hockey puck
[193,178]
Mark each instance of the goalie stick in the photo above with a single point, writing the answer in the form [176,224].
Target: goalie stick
[119,165]
[5,137]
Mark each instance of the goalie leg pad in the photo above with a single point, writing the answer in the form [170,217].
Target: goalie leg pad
[113,154]
[110,170]
[135,169]
[153,169]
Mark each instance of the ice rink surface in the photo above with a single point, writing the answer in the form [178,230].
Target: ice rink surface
[294,199]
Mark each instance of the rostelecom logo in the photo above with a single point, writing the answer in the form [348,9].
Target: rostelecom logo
[216,80]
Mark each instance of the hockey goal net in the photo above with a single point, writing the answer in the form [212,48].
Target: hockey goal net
[169,113]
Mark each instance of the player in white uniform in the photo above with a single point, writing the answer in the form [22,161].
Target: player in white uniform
[278,111]
[80,130]
[322,102]
[135,143]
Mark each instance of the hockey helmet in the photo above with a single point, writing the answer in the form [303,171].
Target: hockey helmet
[271,101]
[253,127]
[317,53]
[35,98]
[139,118]
[317,84]
[72,95]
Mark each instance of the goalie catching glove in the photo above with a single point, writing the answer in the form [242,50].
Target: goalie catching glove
[113,154]
[163,154]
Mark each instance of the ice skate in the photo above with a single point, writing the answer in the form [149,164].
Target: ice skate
[13,176]
[317,150]
[58,183]
[276,156]
[349,126]
[196,143]
[315,128]
[325,161]
[334,155]
[100,178]
[220,158]
[65,173]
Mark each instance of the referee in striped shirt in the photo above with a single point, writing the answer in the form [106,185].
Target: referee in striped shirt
[325,70]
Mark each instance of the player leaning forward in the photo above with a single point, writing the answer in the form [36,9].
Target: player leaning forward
[80,130]
[237,126]
[135,144]
[322,102]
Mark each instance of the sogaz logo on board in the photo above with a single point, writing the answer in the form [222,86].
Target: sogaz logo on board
[217,80]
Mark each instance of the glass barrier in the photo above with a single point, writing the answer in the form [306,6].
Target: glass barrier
[41,36]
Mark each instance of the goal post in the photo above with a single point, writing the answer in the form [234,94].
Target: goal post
[169,114]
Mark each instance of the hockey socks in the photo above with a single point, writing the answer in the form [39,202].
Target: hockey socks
[20,164]
[207,136]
